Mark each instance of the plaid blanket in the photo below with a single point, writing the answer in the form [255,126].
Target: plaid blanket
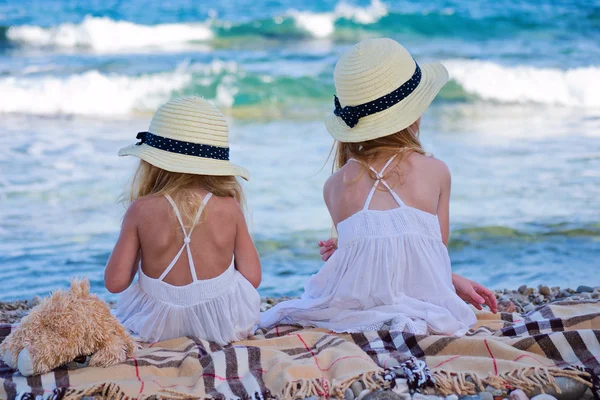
[505,350]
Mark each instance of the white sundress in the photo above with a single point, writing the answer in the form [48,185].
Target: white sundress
[221,310]
[391,271]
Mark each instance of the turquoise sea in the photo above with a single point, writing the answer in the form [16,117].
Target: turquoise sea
[518,125]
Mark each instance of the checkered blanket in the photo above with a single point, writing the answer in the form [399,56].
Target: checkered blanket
[505,350]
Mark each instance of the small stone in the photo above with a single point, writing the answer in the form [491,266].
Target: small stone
[494,392]
[507,306]
[543,396]
[529,307]
[584,289]
[34,301]
[545,290]
[564,293]
[595,295]
[569,389]
[486,396]
[522,289]
[518,394]
[263,307]
[382,395]
[528,292]
[356,388]
[348,394]
[419,396]
[401,386]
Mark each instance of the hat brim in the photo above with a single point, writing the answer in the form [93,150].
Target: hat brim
[182,163]
[397,117]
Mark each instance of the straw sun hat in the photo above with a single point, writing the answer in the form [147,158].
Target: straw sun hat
[381,90]
[187,135]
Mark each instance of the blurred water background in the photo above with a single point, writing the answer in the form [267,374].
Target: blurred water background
[518,125]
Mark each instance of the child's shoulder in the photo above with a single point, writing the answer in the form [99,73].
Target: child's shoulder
[429,164]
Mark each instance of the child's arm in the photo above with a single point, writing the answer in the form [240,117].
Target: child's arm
[246,256]
[121,266]
[443,210]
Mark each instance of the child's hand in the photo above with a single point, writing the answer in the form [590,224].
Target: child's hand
[474,293]
[328,247]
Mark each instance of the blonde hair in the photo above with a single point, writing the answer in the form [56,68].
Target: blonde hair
[400,143]
[151,180]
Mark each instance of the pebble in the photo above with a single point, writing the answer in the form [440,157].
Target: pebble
[569,389]
[34,301]
[382,395]
[493,391]
[356,388]
[584,289]
[564,293]
[518,394]
[545,290]
[522,289]
[528,292]
[401,386]
[529,307]
[348,395]
[486,396]
[419,396]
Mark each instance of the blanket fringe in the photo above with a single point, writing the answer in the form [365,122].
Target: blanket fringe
[106,390]
[526,379]
[303,388]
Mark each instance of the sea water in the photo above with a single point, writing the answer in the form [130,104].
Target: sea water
[518,125]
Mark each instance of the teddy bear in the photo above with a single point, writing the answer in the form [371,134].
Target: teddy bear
[63,327]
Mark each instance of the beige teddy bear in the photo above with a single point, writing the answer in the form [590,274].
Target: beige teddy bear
[64,326]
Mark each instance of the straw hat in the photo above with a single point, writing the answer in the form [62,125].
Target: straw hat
[381,90]
[187,135]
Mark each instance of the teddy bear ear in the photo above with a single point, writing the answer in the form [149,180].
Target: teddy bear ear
[80,287]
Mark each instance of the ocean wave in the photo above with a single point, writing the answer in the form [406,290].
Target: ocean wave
[90,93]
[345,22]
[95,93]
[231,86]
[577,87]
[104,34]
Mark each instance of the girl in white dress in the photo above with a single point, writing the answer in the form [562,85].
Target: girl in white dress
[184,233]
[389,201]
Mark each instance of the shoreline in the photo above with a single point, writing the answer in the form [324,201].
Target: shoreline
[520,300]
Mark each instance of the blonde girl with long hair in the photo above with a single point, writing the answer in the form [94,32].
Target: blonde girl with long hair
[184,233]
[389,201]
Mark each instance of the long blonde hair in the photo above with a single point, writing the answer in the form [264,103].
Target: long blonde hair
[151,180]
[400,143]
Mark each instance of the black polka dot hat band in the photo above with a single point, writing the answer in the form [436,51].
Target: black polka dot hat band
[181,147]
[351,114]
[187,135]
[380,90]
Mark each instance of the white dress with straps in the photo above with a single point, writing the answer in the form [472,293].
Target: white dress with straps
[222,309]
[391,271]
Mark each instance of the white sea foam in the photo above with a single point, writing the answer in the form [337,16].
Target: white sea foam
[322,25]
[104,34]
[90,93]
[577,87]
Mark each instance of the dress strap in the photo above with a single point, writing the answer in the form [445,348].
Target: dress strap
[186,238]
[379,178]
